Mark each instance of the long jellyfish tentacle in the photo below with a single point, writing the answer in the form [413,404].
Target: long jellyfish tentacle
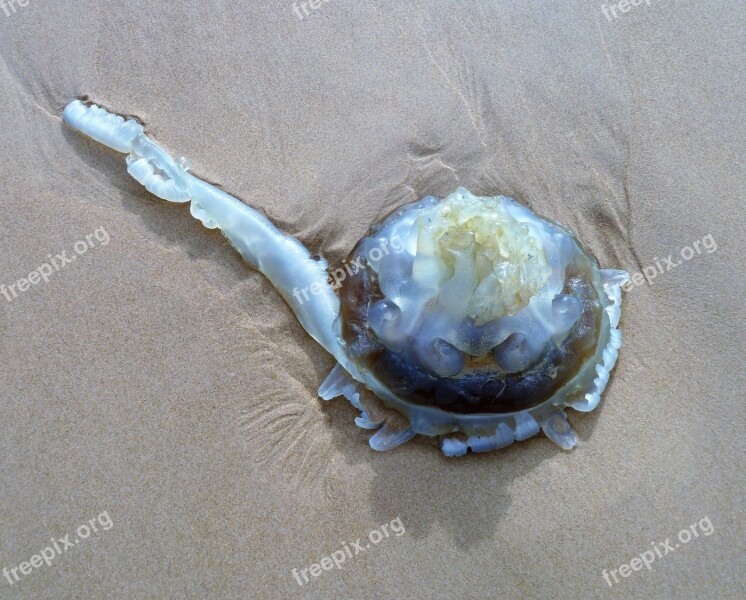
[281,258]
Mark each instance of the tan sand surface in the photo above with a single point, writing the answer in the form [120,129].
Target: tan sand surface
[159,380]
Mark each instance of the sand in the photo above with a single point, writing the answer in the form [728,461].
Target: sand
[159,387]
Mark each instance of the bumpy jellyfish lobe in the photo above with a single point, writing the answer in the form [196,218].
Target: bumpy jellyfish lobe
[514,354]
[384,318]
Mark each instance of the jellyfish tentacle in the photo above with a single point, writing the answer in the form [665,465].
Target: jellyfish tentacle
[286,262]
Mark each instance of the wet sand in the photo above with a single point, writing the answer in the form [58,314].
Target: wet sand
[157,379]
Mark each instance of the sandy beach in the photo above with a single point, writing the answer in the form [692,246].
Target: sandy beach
[159,399]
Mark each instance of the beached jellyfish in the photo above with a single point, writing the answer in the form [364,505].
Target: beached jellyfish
[470,319]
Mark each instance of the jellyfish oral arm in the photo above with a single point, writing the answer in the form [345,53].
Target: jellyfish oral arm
[281,258]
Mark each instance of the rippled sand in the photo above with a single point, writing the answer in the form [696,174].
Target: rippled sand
[159,379]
